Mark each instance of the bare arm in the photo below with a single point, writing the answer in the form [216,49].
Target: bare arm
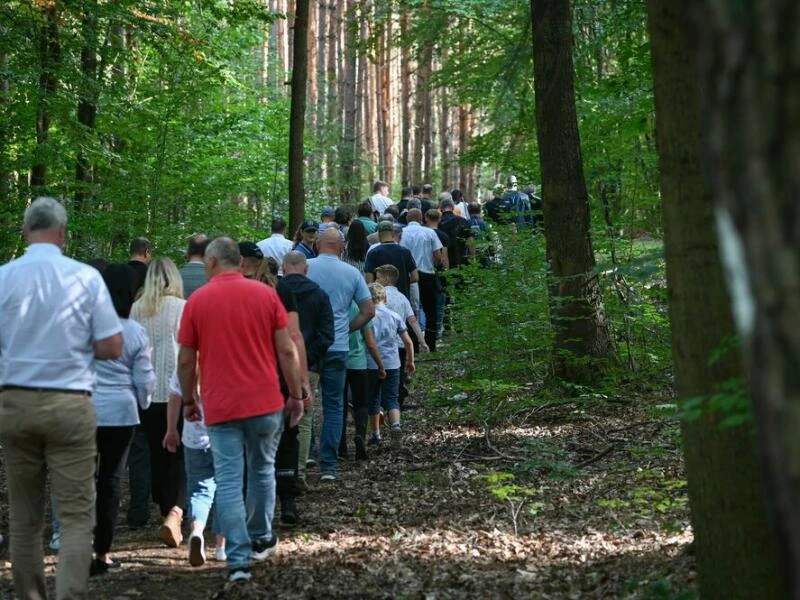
[410,367]
[414,325]
[290,367]
[171,438]
[187,375]
[300,344]
[372,348]
[108,348]
[413,277]
[441,259]
[366,310]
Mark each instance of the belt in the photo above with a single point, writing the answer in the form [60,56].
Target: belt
[45,390]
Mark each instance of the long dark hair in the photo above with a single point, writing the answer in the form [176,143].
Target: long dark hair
[357,244]
[121,282]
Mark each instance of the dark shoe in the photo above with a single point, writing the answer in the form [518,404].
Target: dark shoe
[197,550]
[288,511]
[100,567]
[374,440]
[310,463]
[263,548]
[361,452]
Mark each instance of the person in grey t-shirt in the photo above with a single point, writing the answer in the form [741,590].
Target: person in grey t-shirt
[193,272]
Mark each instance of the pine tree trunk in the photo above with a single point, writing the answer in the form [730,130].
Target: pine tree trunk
[297,116]
[49,56]
[385,99]
[332,100]
[406,126]
[736,555]
[463,137]
[87,106]
[349,189]
[444,138]
[378,91]
[5,138]
[426,69]
[577,312]
[749,90]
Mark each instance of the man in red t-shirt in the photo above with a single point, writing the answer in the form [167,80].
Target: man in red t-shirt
[239,329]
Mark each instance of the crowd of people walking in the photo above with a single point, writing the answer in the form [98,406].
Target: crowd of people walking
[217,386]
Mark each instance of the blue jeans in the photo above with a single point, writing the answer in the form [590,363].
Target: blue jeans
[200,484]
[331,383]
[384,392]
[258,437]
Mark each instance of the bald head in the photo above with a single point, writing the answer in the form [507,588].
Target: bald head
[295,262]
[330,242]
[415,215]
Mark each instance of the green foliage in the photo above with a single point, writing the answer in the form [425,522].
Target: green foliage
[550,460]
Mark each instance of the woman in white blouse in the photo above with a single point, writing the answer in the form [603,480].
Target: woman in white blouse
[159,310]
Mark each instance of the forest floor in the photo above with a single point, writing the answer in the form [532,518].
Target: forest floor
[604,515]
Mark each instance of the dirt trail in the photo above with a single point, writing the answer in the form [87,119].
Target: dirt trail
[422,523]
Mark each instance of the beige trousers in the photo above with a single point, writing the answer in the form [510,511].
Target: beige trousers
[40,432]
[304,427]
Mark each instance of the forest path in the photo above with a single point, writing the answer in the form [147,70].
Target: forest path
[605,517]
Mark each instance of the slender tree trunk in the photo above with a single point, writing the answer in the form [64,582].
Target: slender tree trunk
[445,147]
[49,56]
[581,331]
[313,75]
[463,133]
[87,107]
[5,135]
[736,553]
[385,99]
[750,103]
[348,155]
[424,89]
[361,92]
[378,66]
[297,116]
[332,101]
[406,126]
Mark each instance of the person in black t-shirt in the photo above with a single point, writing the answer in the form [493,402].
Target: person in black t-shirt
[389,252]
[457,229]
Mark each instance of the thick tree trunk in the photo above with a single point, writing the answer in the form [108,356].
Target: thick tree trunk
[581,331]
[736,553]
[750,103]
[332,101]
[297,116]
[49,55]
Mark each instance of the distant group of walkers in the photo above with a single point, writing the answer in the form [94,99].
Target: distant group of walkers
[201,381]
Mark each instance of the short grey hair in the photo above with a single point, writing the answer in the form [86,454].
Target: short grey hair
[294,259]
[225,250]
[444,197]
[45,213]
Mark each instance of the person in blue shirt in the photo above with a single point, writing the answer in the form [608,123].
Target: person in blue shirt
[306,239]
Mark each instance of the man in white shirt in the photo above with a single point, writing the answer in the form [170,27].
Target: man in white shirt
[380,198]
[424,245]
[56,318]
[276,245]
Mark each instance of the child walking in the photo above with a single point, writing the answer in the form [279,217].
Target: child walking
[384,383]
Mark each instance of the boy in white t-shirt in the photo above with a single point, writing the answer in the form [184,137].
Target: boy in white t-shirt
[199,465]
[387,276]
[384,383]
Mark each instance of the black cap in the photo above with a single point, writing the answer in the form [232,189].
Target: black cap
[250,250]
[310,224]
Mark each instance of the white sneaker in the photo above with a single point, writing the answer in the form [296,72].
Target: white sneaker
[55,541]
[239,576]
[219,554]
[197,550]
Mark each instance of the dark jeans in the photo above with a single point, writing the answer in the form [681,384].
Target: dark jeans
[331,383]
[139,478]
[113,444]
[167,472]
[286,459]
[356,382]
[402,392]
[429,297]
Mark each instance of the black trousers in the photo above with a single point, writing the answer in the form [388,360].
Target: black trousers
[113,445]
[139,478]
[402,393]
[356,382]
[428,294]
[167,474]
[286,459]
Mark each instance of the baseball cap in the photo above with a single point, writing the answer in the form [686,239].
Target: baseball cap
[309,224]
[250,250]
[385,226]
[328,212]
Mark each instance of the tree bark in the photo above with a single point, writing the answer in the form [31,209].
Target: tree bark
[332,100]
[406,126]
[87,107]
[577,311]
[349,188]
[750,107]
[297,116]
[736,553]
[49,56]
